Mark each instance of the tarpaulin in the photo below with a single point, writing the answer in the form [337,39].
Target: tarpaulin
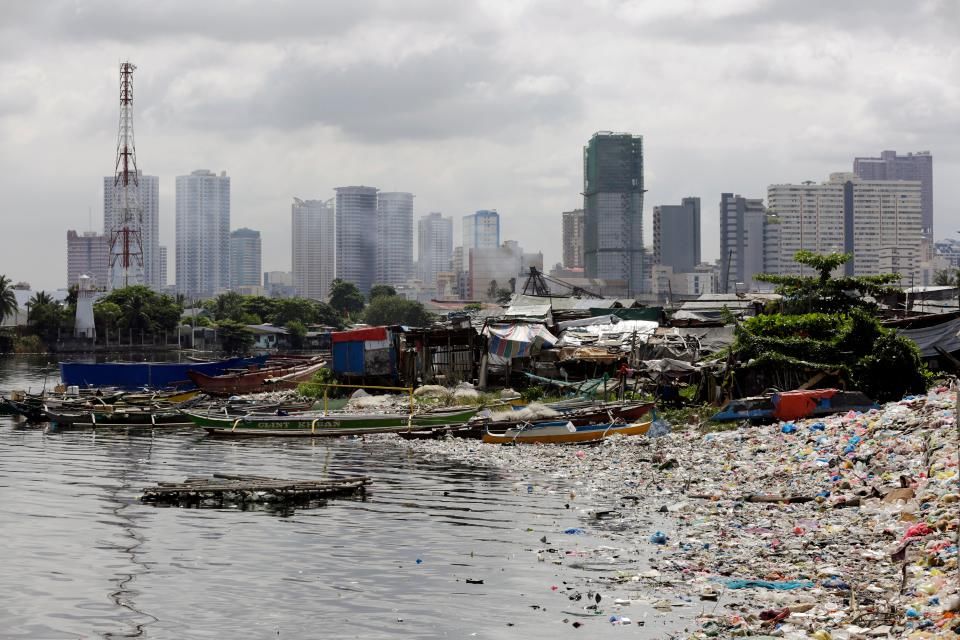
[517,340]
[943,335]
[373,333]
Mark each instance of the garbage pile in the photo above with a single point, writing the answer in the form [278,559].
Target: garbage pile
[843,527]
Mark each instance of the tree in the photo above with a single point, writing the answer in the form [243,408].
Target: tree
[262,307]
[503,296]
[294,309]
[235,338]
[106,314]
[388,310]
[825,293]
[472,306]
[828,326]
[227,306]
[513,285]
[492,290]
[143,308]
[378,290]
[8,301]
[345,297]
[46,316]
[298,334]
[946,278]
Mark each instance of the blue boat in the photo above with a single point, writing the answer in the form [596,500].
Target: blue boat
[153,375]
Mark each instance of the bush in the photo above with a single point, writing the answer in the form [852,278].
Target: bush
[317,385]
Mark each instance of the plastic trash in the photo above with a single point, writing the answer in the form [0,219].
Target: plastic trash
[659,538]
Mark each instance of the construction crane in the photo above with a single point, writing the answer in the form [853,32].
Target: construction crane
[536,285]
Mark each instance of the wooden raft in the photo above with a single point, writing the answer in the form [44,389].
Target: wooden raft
[221,489]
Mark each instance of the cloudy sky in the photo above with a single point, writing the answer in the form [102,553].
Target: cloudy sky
[468,105]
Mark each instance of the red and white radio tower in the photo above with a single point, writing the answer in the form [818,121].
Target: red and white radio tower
[126,239]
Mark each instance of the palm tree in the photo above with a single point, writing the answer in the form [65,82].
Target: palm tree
[8,301]
[41,297]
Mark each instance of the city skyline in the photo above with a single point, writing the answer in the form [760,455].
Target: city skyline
[484,78]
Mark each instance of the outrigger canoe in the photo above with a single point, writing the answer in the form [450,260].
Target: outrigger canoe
[317,424]
[561,432]
[132,417]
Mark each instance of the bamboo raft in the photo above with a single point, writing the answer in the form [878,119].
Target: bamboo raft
[222,489]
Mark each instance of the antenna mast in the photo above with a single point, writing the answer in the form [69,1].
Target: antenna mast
[126,239]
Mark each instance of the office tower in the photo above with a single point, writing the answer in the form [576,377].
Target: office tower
[913,166]
[573,239]
[435,247]
[245,258]
[162,277]
[613,209]
[314,249]
[481,230]
[394,237]
[356,216]
[203,234]
[743,223]
[88,254]
[879,222]
[676,235]
[279,284]
[148,195]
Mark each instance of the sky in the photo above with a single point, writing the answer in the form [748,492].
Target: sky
[468,105]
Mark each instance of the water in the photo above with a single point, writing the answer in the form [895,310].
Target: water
[81,557]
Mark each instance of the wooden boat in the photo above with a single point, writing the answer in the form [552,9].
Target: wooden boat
[313,423]
[793,405]
[255,380]
[562,432]
[578,416]
[129,417]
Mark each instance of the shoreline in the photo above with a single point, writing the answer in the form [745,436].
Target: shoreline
[797,529]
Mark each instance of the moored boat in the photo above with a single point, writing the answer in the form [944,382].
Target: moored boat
[314,423]
[256,380]
[579,416]
[130,417]
[792,405]
[563,432]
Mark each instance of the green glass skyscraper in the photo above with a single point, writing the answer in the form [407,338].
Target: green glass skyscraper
[613,209]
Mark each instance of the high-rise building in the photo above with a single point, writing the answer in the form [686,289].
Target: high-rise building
[88,254]
[613,209]
[676,235]
[245,258]
[435,247]
[148,189]
[356,215]
[203,234]
[163,268]
[481,230]
[744,226]
[573,239]
[314,248]
[913,166]
[879,222]
[394,237]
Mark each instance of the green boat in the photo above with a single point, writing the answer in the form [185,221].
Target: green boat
[314,424]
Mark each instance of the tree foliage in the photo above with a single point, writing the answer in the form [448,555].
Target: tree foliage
[388,310]
[378,290]
[47,316]
[345,297]
[8,301]
[828,326]
[503,296]
[235,338]
[946,277]
[143,308]
[825,293]
[298,333]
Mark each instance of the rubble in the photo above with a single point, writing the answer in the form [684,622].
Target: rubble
[840,527]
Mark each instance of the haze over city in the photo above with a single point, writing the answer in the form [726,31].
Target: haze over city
[466,105]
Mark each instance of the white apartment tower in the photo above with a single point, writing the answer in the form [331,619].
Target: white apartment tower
[314,247]
[481,230]
[879,222]
[148,188]
[435,247]
[394,237]
[203,234]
